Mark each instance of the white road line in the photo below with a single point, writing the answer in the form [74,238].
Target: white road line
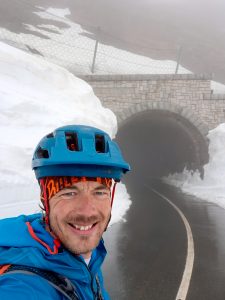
[186,278]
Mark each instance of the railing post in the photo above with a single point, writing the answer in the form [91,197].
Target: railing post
[95,52]
[178,59]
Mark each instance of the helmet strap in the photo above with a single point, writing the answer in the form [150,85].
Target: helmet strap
[113,192]
[45,203]
[112,199]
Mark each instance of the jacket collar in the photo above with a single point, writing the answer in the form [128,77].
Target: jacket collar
[19,247]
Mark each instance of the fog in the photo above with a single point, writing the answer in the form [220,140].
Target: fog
[153,28]
[158,28]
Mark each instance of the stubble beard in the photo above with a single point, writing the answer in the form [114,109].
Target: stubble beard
[81,244]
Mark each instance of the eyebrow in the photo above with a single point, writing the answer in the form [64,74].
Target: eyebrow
[101,187]
[70,188]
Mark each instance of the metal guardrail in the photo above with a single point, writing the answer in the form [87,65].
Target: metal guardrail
[84,52]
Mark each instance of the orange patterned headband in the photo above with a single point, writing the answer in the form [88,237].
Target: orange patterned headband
[52,185]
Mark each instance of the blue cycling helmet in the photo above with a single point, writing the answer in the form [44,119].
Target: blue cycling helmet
[78,150]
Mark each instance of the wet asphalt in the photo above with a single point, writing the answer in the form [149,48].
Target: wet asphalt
[147,254]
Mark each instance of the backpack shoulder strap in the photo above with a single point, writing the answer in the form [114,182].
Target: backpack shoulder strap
[60,283]
[4,268]
[100,297]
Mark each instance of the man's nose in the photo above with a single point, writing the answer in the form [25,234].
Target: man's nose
[86,204]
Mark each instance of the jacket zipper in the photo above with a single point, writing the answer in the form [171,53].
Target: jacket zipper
[92,279]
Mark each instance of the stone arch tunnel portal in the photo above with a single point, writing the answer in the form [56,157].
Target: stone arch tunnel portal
[159,142]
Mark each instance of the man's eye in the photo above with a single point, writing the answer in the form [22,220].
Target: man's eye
[102,193]
[99,193]
[68,195]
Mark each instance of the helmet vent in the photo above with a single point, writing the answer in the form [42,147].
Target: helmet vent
[42,153]
[50,135]
[72,141]
[100,143]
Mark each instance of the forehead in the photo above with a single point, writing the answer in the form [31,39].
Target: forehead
[88,185]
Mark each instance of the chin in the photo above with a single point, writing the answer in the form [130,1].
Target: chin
[83,246]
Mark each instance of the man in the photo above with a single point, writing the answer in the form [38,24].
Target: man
[58,255]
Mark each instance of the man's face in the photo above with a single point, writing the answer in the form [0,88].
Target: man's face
[79,215]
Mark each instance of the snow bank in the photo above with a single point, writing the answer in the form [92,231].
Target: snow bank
[37,97]
[212,187]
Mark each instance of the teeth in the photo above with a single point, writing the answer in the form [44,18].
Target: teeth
[83,227]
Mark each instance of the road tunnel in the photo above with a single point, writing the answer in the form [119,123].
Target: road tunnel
[159,142]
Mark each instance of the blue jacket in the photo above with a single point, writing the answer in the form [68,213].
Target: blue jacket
[17,246]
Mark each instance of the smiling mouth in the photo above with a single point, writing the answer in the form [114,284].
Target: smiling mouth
[83,228]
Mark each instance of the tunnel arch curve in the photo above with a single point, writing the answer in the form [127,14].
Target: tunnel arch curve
[191,127]
[184,112]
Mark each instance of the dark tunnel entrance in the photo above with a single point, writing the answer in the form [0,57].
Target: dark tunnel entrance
[158,142]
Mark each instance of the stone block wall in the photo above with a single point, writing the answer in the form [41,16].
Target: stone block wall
[192,92]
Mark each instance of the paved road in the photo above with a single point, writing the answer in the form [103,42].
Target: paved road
[147,254]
